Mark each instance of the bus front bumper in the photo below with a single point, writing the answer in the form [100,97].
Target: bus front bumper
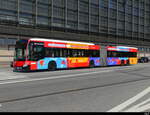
[21,69]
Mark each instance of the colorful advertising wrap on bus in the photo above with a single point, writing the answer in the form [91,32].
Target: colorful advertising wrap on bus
[41,54]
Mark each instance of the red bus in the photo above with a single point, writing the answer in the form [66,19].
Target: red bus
[49,54]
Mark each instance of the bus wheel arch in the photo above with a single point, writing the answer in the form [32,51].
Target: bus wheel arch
[122,63]
[128,62]
[52,66]
[91,64]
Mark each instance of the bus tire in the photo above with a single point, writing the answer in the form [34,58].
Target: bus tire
[52,66]
[128,62]
[92,64]
[122,62]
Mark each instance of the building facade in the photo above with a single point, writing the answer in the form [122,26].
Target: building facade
[108,22]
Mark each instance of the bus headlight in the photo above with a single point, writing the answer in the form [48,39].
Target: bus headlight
[25,65]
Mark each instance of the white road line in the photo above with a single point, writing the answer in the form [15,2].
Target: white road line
[53,77]
[10,76]
[27,79]
[143,108]
[130,101]
[137,107]
[56,77]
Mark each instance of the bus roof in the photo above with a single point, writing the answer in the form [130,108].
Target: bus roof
[63,41]
[126,47]
[122,48]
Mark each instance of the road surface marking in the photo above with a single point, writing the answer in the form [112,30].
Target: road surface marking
[122,106]
[56,77]
[9,76]
[143,108]
[28,79]
[138,107]
[53,77]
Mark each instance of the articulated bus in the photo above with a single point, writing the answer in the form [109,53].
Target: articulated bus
[49,54]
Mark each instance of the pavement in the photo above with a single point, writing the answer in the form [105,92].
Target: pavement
[5,64]
[103,89]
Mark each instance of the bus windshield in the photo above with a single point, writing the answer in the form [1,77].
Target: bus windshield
[36,51]
[20,50]
[20,54]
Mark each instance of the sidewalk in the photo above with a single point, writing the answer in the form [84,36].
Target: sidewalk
[5,64]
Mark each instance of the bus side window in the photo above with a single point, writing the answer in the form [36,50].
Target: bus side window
[108,54]
[73,53]
[111,54]
[49,52]
[56,52]
[82,53]
[115,54]
[65,52]
[95,53]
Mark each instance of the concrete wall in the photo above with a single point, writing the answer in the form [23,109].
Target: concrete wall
[6,55]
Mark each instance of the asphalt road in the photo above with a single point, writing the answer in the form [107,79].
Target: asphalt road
[103,89]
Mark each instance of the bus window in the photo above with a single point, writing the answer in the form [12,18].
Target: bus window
[74,53]
[36,52]
[49,52]
[64,52]
[56,52]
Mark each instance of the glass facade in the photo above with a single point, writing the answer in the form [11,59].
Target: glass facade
[126,18]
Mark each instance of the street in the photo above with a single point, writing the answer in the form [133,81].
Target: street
[102,89]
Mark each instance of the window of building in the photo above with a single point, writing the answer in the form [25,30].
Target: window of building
[71,24]
[7,41]
[83,6]
[26,19]
[72,4]
[58,22]
[104,21]
[121,16]
[83,17]
[121,6]
[136,19]
[8,15]
[94,9]
[45,1]
[41,20]
[128,18]
[43,10]
[59,3]
[8,4]
[84,26]
[94,28]
[135,11]
[94,19]
[129,9]
[112,23]
[121,24]
[103,3]
[128,33]
[104,12]
[113,13]
[136,27]
[58,12]
[121,32]
[72,15]
[26,6]
[128,26]
[113,4]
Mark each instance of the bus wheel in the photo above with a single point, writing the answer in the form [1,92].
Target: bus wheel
[52,66]
[128,63]
[92,64]
[122,62]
